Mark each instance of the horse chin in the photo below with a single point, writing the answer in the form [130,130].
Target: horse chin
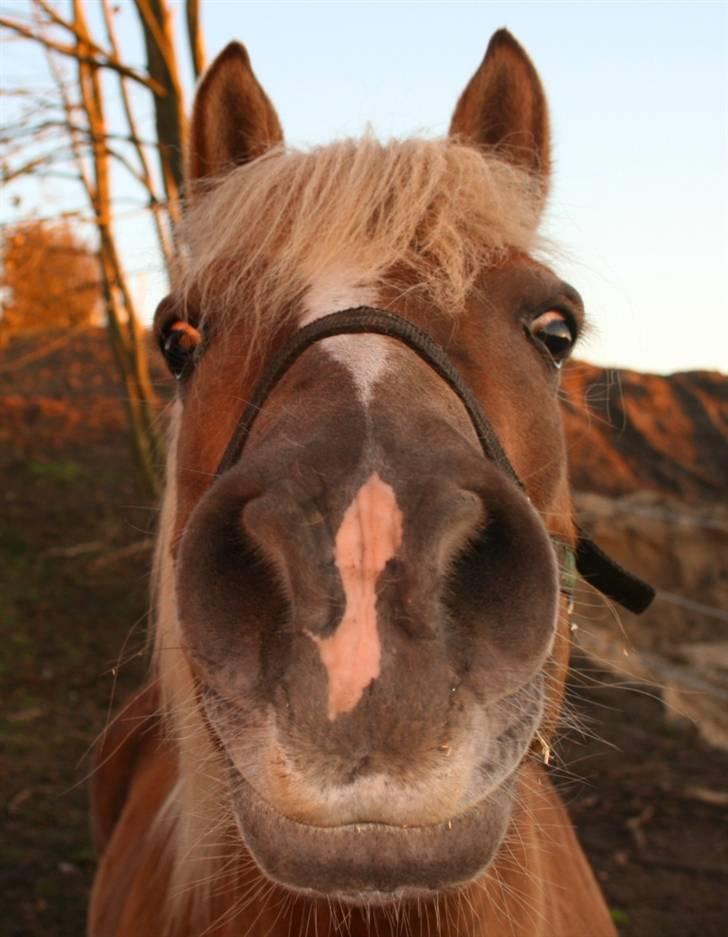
[369,864]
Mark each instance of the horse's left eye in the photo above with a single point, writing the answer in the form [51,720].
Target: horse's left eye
[179,341]
[555,332]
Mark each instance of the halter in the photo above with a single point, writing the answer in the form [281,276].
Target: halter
[594,565]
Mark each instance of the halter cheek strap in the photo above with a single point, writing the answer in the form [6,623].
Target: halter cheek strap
[600,570]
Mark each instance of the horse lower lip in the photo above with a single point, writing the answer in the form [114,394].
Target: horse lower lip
[372,862]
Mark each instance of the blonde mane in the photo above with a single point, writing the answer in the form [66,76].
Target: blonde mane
[426,212]
[429,213]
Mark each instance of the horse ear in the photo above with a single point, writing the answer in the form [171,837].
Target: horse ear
[504,107]
[233,121]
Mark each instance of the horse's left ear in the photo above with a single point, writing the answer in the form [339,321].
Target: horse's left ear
[233,120]
[504,107]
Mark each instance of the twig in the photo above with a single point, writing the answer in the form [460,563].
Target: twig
[78,549]
[704,795]
[123,553]
[72,52]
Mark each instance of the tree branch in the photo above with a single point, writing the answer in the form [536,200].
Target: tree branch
[194,36]
[63,48]
[53,15]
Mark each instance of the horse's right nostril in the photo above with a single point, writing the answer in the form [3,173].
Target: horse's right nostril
[294,537]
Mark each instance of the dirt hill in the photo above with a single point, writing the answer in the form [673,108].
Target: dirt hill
[629,432]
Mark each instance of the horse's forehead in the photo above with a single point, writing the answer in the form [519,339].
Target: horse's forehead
[340,287]
[366,357]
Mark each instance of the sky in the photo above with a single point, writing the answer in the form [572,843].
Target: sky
[638,93]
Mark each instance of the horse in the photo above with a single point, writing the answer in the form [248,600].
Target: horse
[364,568]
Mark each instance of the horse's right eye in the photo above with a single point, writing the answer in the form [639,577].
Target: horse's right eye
[178,343]
[555,333]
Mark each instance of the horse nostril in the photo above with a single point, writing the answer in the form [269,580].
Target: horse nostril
[469,514]
[291,532]
[457,521]
[502,589]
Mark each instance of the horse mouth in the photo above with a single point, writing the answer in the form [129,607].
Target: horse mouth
[372,863]
[388,858]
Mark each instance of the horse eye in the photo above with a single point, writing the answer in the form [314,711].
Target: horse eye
[178,344]
[554,331]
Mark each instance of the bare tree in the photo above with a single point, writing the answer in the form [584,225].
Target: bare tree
[66,133]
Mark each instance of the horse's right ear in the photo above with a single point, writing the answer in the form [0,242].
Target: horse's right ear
[504,107]
[233,121]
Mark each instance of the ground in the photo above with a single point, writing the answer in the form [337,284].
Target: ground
[646,794]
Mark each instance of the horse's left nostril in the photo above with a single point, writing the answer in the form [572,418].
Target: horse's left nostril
[466,518]
[502,594]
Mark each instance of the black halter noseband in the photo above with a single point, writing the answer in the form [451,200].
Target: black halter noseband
[602,572]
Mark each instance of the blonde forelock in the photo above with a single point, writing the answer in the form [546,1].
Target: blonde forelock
[435,211]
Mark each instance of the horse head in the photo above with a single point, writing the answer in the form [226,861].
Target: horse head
[363,625]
